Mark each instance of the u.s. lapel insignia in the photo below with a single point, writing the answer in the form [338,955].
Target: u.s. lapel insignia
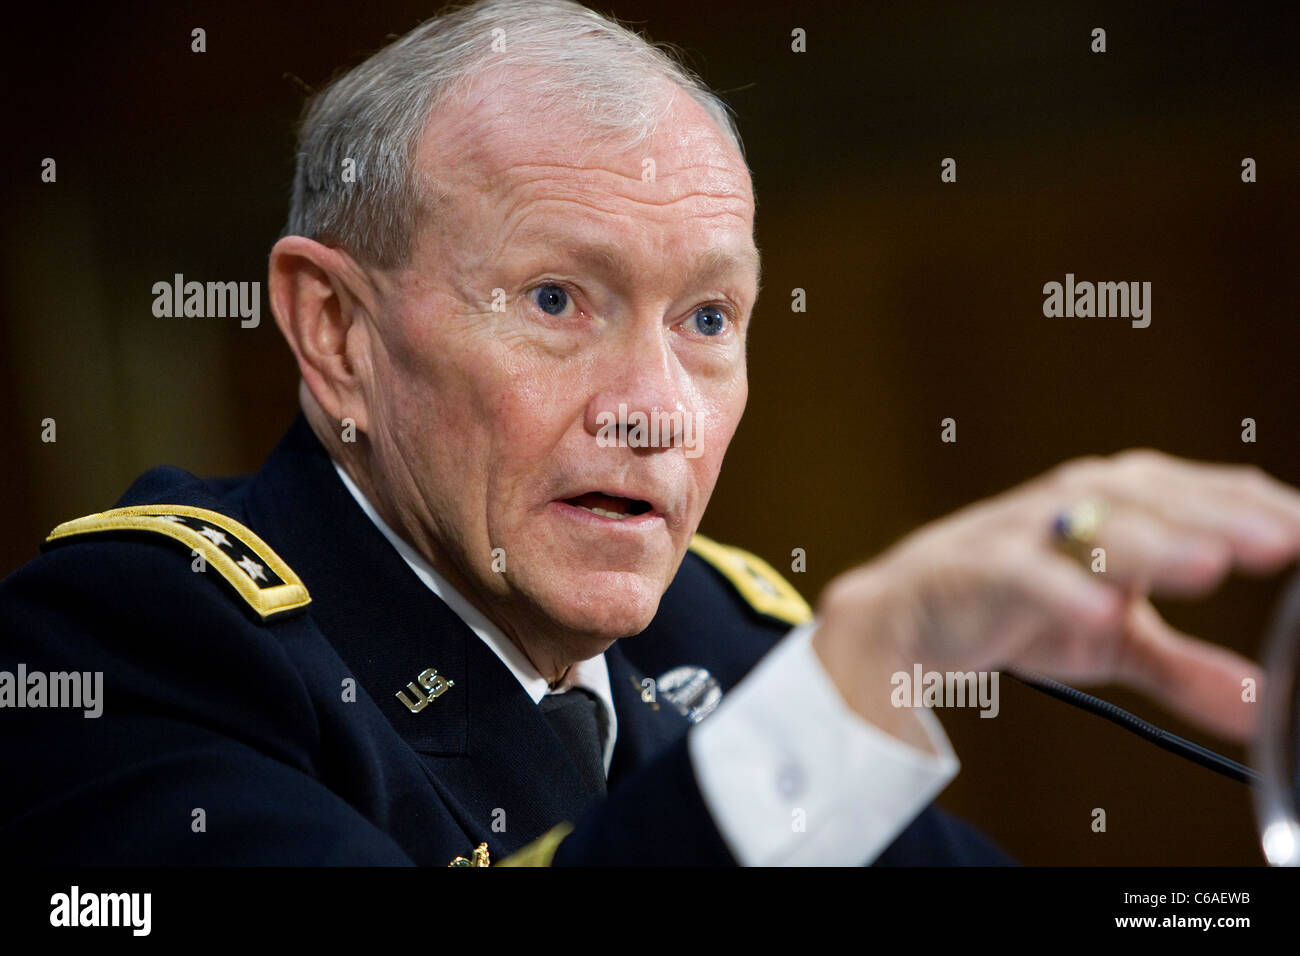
[432,685]
[692,690]
[478,858]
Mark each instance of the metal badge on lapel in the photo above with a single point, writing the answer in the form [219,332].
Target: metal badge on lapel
[433,684]
[478,858]
[646,688]
[692,690]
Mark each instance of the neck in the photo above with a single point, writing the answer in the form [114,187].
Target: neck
[548,648]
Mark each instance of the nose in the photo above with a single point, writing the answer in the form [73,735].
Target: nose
[643,400]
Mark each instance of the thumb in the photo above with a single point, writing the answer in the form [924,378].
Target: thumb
[1200,682]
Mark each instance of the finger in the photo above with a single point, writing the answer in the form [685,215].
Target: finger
[1070,595]
[1256,485]
[1079,621]
[1142,552]
[1201,682]
[1235,505]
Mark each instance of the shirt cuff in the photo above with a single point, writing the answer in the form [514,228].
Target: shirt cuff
[793,777]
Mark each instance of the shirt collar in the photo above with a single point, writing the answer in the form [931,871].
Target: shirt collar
[593,674]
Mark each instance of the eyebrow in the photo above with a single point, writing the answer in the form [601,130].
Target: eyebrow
[611,258]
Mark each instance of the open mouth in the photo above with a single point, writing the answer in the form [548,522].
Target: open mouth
[609,506]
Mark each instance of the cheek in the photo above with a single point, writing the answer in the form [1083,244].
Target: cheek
[723,409]
[534,403]
[438,411]
[709,465]
[520,400]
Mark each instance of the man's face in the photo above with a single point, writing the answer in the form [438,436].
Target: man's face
[555,282]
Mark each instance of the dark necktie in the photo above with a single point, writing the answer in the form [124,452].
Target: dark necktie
[578,719]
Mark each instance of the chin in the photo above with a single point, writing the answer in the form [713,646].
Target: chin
[604,606]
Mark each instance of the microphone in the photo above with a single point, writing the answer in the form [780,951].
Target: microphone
[1143,728]
[1276,784]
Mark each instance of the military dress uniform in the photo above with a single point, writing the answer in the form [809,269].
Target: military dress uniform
[273,668]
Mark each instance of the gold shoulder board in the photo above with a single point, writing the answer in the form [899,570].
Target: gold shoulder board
[257,573]
[755,579]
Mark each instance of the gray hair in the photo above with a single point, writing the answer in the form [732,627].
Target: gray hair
[375,114]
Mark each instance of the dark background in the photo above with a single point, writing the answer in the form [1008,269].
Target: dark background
[924,298]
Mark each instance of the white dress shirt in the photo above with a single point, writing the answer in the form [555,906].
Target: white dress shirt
[790,774]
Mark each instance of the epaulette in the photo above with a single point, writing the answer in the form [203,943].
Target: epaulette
[756,580]
[253,570]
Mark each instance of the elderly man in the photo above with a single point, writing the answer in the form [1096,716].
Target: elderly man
[462,613]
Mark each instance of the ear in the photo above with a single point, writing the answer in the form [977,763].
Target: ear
[321,299]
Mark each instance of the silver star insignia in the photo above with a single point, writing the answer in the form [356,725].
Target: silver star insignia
[216,537]
[252,567]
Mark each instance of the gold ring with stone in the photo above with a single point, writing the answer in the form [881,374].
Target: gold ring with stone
[1075,527]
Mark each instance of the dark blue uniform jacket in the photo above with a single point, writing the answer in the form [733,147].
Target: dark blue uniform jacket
[207,705]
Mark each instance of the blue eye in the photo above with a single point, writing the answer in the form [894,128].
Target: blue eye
[709,320]
[551,299]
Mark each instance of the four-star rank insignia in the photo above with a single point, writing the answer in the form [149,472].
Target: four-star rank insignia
[257,574]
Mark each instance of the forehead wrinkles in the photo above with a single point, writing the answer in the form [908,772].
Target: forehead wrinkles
[611,197]
[496,162]
[509,173]
[684,207]
[526,181]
